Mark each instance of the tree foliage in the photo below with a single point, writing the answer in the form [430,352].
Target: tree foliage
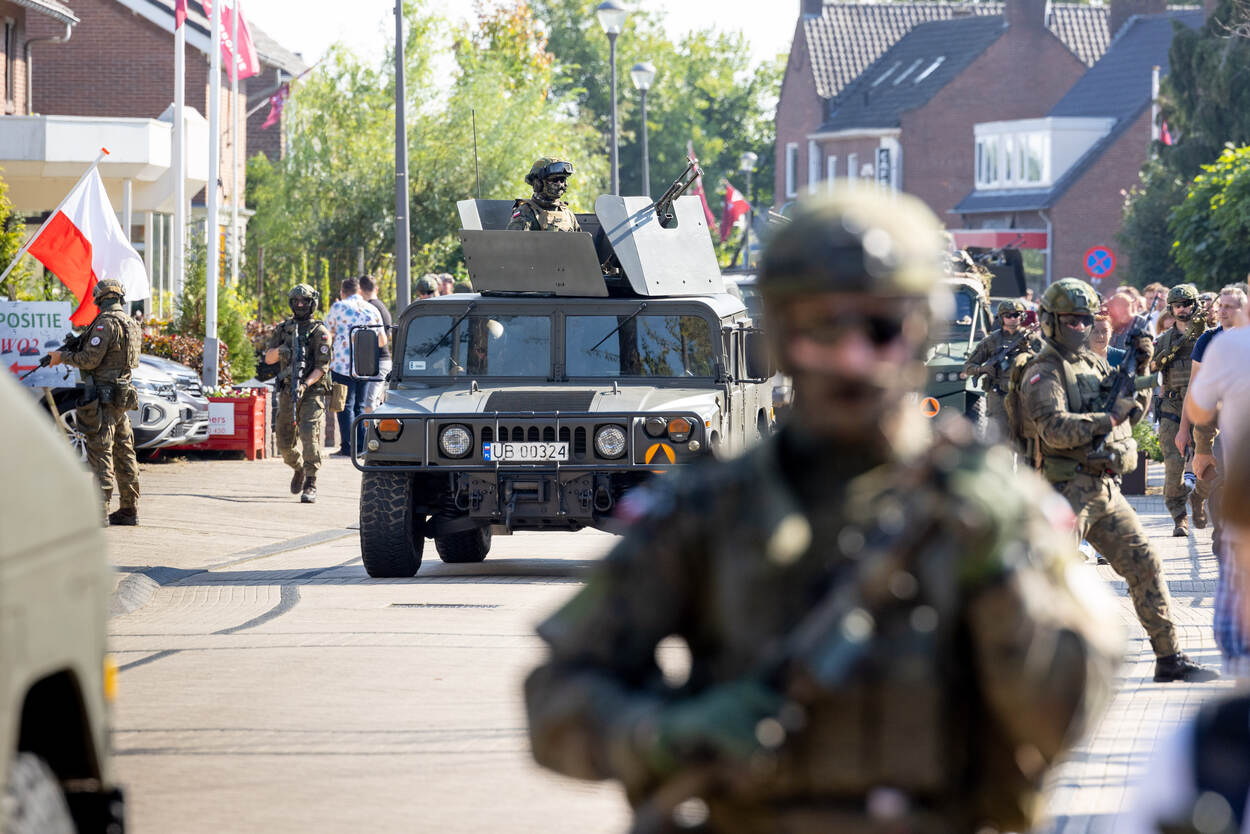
[1145,233]
[1212,226]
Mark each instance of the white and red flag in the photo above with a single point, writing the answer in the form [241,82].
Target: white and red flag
[735,206]
[83,243]
[697,188]
[242,60]
[276,102]
[180,12]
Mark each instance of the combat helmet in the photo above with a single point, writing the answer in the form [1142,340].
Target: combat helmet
[1011,305]
[546,166]
[866,242]
[107,287]
[1184,294]
[427,284]
[1067,296]
[303,299]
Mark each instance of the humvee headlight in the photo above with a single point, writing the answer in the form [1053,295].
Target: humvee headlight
[679,430]
[455,441]
[610,441]
[655,426]
[389,428]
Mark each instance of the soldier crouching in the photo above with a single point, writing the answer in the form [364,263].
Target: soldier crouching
[885,628]
[301,345]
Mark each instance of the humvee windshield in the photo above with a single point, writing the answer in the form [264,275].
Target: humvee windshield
[615,346]
[483,346]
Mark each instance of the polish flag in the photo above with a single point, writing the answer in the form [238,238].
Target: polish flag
[735,206]
[276,102]
[180,12]
[83,243]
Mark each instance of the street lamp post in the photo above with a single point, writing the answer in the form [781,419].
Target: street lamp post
[747,166]
[403,277]
[643,74]
[612,16]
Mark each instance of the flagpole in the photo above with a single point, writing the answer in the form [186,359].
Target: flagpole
[178,226]
[234,144]
[31,240]
[212,258]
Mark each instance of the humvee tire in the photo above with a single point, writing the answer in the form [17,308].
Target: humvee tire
[976,412]
[391,534]
[465,546]
[36,804]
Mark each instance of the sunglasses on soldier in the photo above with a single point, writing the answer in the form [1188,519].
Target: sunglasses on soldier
[880,329]
[1011,315]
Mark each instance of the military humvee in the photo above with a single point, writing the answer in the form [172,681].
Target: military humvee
[55,679]
[585,363]
[950,343]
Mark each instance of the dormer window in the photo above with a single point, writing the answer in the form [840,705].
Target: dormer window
[930,69]
[887,73]
[908,71]
[1032,153]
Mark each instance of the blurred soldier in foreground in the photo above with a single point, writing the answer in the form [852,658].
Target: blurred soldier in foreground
[107,352]
[992,358]
[887,632]
[1173,356]
[1082,445]
[301,346]
[545,211]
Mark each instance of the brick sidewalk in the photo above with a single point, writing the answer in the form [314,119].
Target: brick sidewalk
[1096,782]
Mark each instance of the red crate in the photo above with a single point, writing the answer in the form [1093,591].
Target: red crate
[250,415]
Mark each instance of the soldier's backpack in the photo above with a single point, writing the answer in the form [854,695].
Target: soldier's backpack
[1018,422]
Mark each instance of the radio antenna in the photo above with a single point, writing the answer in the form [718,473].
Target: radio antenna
[476,174]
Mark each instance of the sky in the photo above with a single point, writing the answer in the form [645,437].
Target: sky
[320,23]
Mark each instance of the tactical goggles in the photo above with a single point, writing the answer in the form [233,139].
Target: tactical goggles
[879,329]
[1011,315]
[557,169]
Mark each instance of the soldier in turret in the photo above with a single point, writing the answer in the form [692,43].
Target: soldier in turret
[545,211]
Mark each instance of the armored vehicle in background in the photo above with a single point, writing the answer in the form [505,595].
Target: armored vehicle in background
[585,364]
[951,341]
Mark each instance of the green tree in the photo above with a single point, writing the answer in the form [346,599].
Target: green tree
[1212,226]
[1145,233]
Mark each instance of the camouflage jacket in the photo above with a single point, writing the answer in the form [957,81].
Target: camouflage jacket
[1176,372]
[317,348]
[109,349]
[530,216]
[988,348]
[985,648]
[1062,396]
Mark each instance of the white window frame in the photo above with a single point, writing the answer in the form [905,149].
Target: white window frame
[852,166]
[831,172]
[813,166]
[792,166]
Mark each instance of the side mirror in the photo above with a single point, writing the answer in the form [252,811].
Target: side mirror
[759,358]
[364,352]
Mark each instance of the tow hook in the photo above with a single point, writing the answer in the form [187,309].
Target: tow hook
[603,498]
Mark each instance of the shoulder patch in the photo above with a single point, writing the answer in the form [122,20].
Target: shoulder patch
[325,348]
[1033,379]
[99,327]
[516,214]
[95,340]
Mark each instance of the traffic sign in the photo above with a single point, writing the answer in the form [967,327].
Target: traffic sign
[1099,261]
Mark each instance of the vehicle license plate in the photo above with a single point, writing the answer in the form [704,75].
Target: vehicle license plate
[526,452]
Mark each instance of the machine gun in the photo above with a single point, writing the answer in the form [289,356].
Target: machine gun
[664,206]
[1002,359]
[1196,328]
[71,343]
[299,356]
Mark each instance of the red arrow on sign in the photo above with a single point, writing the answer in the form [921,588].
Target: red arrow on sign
[18,369]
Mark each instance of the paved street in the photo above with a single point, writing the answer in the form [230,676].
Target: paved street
[268,685]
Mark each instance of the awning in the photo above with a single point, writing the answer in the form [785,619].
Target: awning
[999,238]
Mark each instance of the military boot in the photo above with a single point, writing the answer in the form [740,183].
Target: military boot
[125,517]
[1199,512]
[1181,530]
[297,482]
[310,490]
[1178,667]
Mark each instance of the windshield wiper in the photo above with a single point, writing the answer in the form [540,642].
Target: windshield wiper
[452,329]
[613,331]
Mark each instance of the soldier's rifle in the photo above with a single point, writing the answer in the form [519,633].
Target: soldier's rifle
[822,652]
[1125,382]
[1197,326]
[71,343]
[664,209]
[298,361]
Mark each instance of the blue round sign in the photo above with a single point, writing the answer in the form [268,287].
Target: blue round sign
[1099,261]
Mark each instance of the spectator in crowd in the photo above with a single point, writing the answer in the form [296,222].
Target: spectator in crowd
[427,287]
[1219,394]
[1163,322]
[1121,309]
[1152,292]
[1029,301]
[376,389]
[462,286]
[1100,341]
[446,284]
[350,311]
[1197,779]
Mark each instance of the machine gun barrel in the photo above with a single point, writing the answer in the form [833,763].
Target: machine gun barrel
[664,205]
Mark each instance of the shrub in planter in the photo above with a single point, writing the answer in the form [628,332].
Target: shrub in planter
[1147,441]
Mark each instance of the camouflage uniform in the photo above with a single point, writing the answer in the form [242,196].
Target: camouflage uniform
[315,338]
[108,352]
[997,375]
[1082,454]
[955,641]
[545,212]
[1171,399]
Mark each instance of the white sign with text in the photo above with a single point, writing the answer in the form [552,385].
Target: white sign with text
[221,418]
[28,330]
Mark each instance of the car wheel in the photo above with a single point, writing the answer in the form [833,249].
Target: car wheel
[392,535]
[33,800]
[465,546]
[77,438]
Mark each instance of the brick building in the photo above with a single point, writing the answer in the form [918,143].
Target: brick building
[836,44]
[1078,160]
[18,20]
